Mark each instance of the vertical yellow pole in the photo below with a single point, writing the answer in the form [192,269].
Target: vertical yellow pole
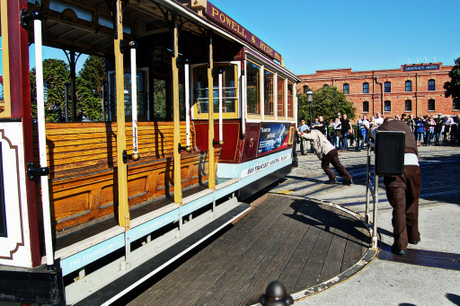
[175,79]
[212,172]
[122,174]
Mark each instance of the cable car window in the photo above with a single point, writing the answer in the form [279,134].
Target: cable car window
[253,88]
[281,97]
[268,93]
[229,91]
[290,100]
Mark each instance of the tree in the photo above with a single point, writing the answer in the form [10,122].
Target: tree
[453,87]
[327,102]
[55,74]
[89,87]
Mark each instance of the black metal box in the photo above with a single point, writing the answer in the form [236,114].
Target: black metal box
[389,152]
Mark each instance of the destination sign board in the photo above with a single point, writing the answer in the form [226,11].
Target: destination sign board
[421,67]
[225,21]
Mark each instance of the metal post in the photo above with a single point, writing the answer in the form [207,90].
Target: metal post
[376,201]
[133,46]
[42,140]
[221,139]
[175,80]
[212,170]
[122,172]
[66,85]
[187,103]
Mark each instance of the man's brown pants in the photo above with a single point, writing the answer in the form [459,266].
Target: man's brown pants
[403,194]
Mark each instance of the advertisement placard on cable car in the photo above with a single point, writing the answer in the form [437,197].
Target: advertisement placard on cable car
[273,137]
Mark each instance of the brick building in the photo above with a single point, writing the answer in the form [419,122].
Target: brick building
[416,89]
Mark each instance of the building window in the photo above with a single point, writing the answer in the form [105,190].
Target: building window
[408,85]
[365,106]
[431,84]
[326,85]
[346,89]
[456,104]
[365,87]
[305,89]
[387,86]
[387,106]
[431,105]
[408,106]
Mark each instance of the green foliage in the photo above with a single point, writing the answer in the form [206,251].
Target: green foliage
[159,98]
[89,88]
[453,87]
[55,74]
[327,102]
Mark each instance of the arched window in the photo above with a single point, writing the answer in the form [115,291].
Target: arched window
[305,89]
[408,85]
[431,84]
[408,106]
[365,87]
[346,88]
[387,86]
[431,105]
[365,106]
[387,107]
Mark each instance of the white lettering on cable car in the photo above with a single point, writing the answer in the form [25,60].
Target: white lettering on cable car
[259,167]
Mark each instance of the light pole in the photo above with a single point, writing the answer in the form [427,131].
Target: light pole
[310,101]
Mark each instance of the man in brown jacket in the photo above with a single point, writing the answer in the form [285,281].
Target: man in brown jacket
[328,154]
[403,191]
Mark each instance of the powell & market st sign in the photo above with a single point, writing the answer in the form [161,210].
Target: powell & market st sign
[231,25]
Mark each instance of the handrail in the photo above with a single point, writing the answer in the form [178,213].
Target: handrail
[132,45]
[42,139]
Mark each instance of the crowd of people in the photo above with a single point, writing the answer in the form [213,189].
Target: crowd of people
[428,130]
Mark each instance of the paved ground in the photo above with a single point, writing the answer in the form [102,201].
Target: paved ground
[430,274]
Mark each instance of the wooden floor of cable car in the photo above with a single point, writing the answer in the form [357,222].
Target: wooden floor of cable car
[67,238]
[297,241]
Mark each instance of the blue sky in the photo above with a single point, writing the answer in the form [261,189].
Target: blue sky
[362,35]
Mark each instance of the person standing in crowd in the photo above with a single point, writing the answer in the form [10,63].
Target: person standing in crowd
[303,143]
[403,191]
[328,154]
[411,123]
[419,129]
[447,128]
[322,125]
[346,126]
[438,130]
[431,125]
[337,126]
[315,124]
[378,119]
[363,129]
[330,132]
[404,118]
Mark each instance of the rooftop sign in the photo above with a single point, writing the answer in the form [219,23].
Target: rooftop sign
[225,21]
[421,67]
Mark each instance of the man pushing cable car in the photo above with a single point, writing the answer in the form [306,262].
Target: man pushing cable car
[328,154]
